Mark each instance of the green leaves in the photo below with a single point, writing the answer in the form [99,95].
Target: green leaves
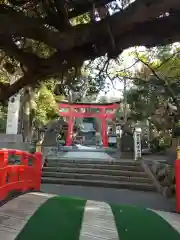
[3,117]
[156,82]
[45,106]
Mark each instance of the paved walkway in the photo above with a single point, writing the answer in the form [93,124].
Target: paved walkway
[118,196]
[87,155]
[85,152]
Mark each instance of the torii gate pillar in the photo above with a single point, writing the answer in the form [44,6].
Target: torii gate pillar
[104,129]
[69,135]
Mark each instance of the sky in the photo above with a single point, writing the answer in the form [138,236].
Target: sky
[116,91]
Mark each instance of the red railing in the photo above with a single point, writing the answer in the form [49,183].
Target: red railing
[177,177]
[22,177]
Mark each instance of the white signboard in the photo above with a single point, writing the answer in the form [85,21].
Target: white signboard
[137,144]
[13,113]
[87,127]
[112,139]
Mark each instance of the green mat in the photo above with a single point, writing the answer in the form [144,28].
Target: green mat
[59,218]
[141,224]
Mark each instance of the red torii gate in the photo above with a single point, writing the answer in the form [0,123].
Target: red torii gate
[102,114]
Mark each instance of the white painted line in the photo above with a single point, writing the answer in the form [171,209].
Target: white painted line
[172,218]
[98,222]
[42,194]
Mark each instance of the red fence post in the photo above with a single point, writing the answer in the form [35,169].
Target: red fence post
[24,171]
[37,165]
[24,159]
[177,177]
[3,173]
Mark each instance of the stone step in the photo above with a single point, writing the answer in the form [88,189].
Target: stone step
[91,161]
[89,149]
[97,177]
[127,155]
[84,159]
[97,166]
[128,158]
[95,171]
[100,183]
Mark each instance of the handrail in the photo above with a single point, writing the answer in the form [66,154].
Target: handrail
[21,177]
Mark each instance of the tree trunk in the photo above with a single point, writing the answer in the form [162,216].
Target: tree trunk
[27,120]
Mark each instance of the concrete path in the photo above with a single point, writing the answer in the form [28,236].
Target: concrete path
[109,195]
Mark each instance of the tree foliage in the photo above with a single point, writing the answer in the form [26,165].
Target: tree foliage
[39,107]
[42,38]
[45,106]
[155,93]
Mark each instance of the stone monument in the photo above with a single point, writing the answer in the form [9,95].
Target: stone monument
[11,139]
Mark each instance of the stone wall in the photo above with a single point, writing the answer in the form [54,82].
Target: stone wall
[127,143]
[13,141]
[164,173]
[171,156]
[172,151]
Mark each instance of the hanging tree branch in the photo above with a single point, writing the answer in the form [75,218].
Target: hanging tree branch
[137,24]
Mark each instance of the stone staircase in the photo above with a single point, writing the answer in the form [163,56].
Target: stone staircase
[110,174]
[126,155]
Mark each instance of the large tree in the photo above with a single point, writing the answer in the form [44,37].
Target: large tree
[154,94]
[27,27]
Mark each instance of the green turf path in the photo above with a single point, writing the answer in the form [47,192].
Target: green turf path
[59,218]
[139,223]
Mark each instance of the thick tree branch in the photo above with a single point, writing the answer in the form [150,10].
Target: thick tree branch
[10,48]
[62,14]
[138,24]
[61,62]
[7,90]
[81,7]
[150,34]
[44,69]
[15,23]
